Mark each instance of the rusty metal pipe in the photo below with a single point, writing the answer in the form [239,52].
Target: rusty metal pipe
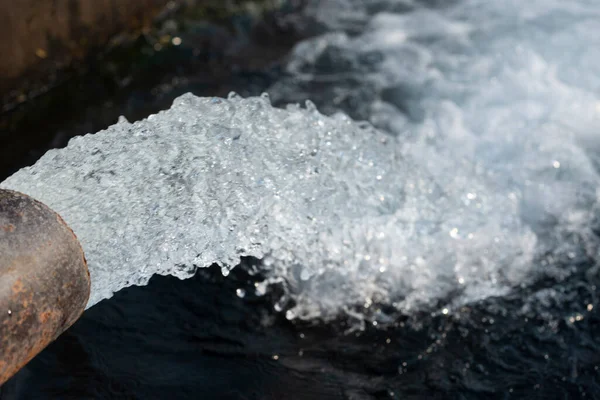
[44,280]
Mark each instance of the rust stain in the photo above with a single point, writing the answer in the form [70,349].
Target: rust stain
[8,228]
[10,369]
[49,315]
[18,287]
[21,294]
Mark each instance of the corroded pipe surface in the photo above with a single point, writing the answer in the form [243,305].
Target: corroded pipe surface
[44,280]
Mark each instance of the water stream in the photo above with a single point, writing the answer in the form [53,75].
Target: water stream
[474,180]
[486,180]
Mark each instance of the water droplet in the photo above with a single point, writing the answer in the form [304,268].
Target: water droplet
[241,293]
[310,106]
[261,288]
[304,275]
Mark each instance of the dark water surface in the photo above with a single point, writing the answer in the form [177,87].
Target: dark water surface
[197,339]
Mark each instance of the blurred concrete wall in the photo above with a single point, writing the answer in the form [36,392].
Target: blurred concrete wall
[37,34]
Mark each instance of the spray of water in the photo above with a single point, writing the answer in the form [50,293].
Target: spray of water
[485,178]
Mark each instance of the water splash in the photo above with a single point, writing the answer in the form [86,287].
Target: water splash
[476,92]
[341,213]
[209,181]
[487,180]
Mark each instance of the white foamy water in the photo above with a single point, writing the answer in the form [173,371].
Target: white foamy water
[485,180]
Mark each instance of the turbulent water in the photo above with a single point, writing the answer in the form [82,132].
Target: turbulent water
[456,230]
[480,178]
